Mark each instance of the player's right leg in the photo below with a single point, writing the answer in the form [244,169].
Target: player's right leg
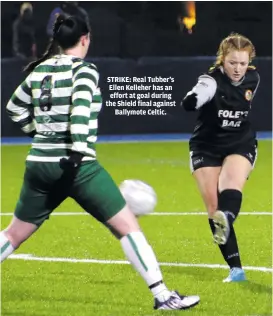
[141,255]
[207,180]
[206,170]
[235,171]
[43,189]
[99,196]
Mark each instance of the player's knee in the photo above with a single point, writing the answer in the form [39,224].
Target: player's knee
[229,183]
[18,231]
[124,222]
[229,180]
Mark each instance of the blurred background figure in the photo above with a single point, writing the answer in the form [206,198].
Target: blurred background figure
[66,7]
[23,33]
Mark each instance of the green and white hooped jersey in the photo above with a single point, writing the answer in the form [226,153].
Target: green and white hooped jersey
[61,101]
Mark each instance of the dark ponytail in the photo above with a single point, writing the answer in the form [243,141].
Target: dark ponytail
[52,49]
[67,31]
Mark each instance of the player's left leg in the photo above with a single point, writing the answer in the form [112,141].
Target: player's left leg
[97,193]
[43,189]
[235,171]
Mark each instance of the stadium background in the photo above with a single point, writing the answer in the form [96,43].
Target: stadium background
[67,268]
[145,39]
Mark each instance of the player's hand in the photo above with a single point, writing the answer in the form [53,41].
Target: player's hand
[189,102]
[73,162]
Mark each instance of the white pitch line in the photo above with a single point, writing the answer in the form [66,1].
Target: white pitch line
[29,257]
[152,214]
[203,213]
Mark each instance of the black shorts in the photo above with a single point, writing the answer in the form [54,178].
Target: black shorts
[200,158]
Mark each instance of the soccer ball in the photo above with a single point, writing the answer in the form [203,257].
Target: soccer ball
[140,196]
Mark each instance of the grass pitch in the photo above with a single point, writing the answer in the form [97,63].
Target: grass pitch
[56,286]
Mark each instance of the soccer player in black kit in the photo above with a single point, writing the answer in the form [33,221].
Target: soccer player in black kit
[223,147]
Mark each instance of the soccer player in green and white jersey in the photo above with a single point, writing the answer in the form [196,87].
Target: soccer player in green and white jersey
[58,105]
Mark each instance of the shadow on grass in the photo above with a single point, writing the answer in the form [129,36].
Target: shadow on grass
[256,287]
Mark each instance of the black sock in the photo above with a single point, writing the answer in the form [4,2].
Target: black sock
[229,202]
[230,250]
[212,227]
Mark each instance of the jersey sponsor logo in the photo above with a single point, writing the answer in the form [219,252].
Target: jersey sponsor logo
[234,118]
[248,95]
[232,114]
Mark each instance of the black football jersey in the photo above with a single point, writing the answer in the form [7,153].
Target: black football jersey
[224,122]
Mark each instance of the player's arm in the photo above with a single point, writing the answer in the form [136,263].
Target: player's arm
[200,94]
[18,108]
[85,82]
